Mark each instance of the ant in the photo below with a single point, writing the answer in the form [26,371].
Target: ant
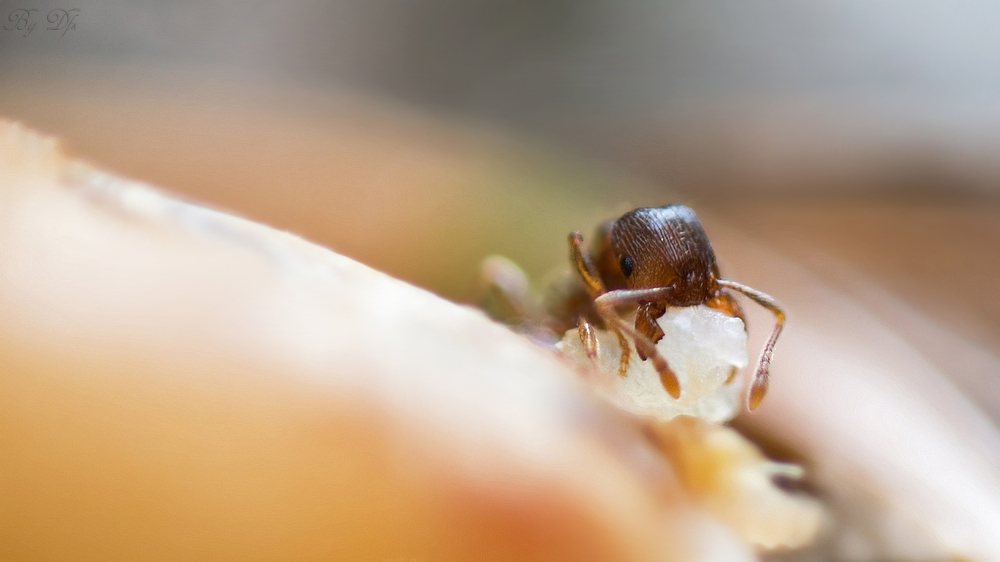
[656,258]
[650,258]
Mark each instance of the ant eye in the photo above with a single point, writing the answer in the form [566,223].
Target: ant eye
[626,265]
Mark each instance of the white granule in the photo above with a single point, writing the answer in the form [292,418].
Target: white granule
[701,346]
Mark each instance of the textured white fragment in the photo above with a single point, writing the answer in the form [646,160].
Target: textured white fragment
[701,345]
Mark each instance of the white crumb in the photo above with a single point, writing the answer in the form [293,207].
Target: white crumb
[701,345]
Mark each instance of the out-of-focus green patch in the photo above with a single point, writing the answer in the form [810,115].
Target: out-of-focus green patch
[523,205]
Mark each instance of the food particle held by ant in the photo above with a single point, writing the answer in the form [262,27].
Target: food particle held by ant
[704,347]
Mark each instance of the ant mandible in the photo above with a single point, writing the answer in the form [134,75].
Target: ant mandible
[656,258]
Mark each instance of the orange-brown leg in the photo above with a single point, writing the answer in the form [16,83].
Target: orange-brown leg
[584,265]
[758,387]
[505,294]
[592,282]
[626,352]
[606,304]
[587,336]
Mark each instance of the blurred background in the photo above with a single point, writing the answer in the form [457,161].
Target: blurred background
[858,140]
[864,131]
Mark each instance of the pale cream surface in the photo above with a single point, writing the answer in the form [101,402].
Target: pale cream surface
[177,383]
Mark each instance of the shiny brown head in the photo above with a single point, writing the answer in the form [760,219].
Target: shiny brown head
[665,247]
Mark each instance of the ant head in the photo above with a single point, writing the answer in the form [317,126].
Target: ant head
[662,247]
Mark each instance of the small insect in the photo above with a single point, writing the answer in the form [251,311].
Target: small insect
[655,258]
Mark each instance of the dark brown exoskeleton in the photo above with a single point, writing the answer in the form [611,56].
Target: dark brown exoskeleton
[655,258]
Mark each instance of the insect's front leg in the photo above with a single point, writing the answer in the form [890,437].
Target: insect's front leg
[584,265]
[606,305]
[592,282]
[505,294]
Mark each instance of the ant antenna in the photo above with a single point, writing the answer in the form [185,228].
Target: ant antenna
[758,387]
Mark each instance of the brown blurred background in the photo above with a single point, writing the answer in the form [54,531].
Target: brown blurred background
[421,136]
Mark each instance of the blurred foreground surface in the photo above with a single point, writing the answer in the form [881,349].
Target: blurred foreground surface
[890,408]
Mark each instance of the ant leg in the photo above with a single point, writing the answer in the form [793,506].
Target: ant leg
[606,304]
[758,388]
[592,282]
[584,265]
[726,303]
[587,337]
[505,294]
[626,352]
[643,346]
